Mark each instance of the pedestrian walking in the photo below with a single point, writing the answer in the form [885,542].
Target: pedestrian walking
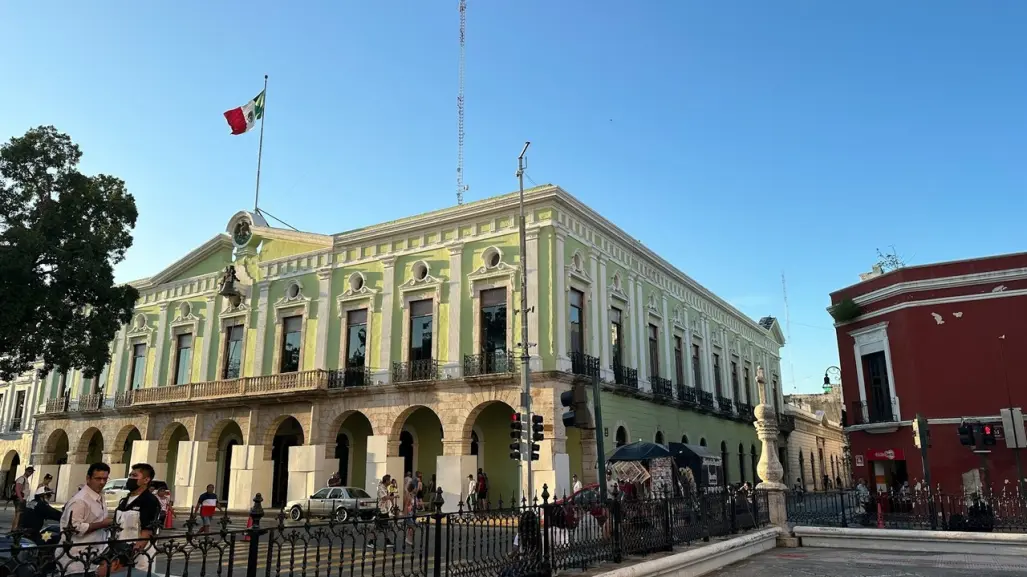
[21,488]
[206,505]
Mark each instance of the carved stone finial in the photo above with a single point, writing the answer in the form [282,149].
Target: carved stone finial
[761,385]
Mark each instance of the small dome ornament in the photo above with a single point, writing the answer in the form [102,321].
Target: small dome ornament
[241,233]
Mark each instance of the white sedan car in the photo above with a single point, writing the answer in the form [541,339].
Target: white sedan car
[340,503]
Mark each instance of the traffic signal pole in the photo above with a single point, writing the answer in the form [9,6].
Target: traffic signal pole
[525,353]
[597,405]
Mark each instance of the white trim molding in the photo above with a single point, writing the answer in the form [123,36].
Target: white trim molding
[868,340]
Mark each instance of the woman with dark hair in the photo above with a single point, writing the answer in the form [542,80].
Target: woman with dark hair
[526,557]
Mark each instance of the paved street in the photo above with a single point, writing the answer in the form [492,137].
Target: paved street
[806,562]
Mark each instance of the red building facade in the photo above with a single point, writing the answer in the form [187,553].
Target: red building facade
[947,341]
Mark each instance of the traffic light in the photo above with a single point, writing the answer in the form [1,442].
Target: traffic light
[536,436]
[987,435]
[577,404]
[966,435]
[516,434]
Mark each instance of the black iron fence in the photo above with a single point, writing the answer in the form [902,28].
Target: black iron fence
[915,510]
[564,535]
[491,363]
[361,376]
[419,370]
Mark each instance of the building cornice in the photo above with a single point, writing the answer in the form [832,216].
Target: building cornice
[212,246]
[940,283]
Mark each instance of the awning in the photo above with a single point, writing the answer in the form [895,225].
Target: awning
[640,451]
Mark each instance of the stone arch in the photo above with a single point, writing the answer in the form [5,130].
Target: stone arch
[400,420]
[165,439]
[215,436]
[57,447]
[118,449]
[9,459]
[345,443]
[328,434]
[272,431]
[91,438]
[468,425]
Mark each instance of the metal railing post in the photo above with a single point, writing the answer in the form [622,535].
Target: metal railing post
[841,498]
[437,516]
[254,533]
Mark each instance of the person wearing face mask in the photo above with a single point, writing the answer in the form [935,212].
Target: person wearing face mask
[86,513]
[137,515]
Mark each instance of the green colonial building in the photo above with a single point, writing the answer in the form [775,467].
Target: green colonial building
[267,359]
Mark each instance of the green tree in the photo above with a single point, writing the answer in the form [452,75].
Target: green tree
[61,233]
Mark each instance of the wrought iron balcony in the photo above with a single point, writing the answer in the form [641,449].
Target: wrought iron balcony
[786,423]
[419,370]
[360,376]
[687,395]
[58,405]
[725,404]
[877,410]
[15,425]
[661,387]
[744,411]
[625,376]
[705,399]
[89,403]
[584,364]
[492,363]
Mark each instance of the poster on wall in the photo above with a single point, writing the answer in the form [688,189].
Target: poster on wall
[859,461]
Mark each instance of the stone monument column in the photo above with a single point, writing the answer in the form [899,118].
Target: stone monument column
[769,467]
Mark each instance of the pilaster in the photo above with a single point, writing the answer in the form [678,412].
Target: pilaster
[385,348]
[210,331]
[632,325]
[689,374]
[640,329]
[594,305]
[258,353]
[531,249]
[324,305]
[158,356]
[119,353]
[454,364]
[606,357]
[560,304]
[707,354]
[667,370]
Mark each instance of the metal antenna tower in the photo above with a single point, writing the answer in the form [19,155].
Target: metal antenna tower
[460,186]
[788,326]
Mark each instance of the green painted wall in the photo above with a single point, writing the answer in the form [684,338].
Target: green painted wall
[358,428]
[643,419]
[438,263]
[274,249]
[427,432]
[213,263]
[493,426]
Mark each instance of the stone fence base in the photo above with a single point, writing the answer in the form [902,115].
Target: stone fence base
[913,541]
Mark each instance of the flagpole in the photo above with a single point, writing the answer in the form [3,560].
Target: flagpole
[260,148]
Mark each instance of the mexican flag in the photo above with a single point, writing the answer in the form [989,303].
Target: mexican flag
[242,119]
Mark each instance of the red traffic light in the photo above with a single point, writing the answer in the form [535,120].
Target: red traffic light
[516,417]
[987,429]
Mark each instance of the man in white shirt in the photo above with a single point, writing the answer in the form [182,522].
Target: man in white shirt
[86,512]
[576,486]
[21,490]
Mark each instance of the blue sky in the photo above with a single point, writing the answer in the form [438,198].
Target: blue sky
[739,139]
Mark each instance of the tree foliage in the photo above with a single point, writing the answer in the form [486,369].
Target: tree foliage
[61,233]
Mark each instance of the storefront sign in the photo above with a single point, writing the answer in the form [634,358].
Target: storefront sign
[859,461]
[885,455]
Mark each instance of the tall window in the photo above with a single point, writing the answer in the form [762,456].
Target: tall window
[19,408]
[577,320]
[138,365]
[748,388]
[734,381]
[356,338]
[616,337]
[62,386]
[696,367]
[421,320]
[654,351]
[291,332]
[493,321]
[716,375]
[233,352]
[183,357]
[679,361]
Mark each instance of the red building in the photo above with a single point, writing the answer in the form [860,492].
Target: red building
[947,341]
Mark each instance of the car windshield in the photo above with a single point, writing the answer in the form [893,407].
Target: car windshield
[323,493]
[357,493]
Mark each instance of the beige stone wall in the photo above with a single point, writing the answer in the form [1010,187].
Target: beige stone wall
[808,437]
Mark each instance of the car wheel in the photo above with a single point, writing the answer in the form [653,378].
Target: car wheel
[296,513]
[341,515]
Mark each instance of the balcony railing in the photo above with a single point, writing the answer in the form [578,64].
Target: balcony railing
[874,411]
[58,405]
[625,376]
[661,387]
[584,364]
[705,399]
[419,370]
[493,363]
[687,395]
[90,403]
[744,411]
[123,399]
[725,404]
[245,386]
[786,423]
[350,377]
[15,425]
